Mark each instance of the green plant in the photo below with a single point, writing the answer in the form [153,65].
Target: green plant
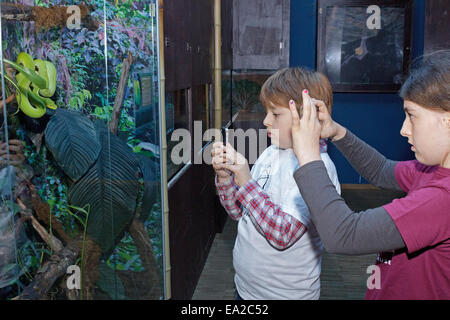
[245,94]
[78,99]
[84,224]
[103,113]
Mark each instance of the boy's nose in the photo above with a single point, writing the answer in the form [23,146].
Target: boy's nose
[266,121]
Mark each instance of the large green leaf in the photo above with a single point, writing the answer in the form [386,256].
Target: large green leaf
[110,188]
[110,283]
[152,184]
[72,139]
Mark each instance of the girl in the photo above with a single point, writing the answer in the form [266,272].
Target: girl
[412,233]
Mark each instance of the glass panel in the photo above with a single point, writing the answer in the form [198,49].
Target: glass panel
[200,114]
[248,112]
[81,136]
[227,91]
[177,115]
[357,54]
[246,89]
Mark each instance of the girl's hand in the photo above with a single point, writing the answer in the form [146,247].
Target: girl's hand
[330,129]
[306,131]
[237,164]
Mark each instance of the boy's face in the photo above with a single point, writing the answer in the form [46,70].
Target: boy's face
[279,122]
[428,131]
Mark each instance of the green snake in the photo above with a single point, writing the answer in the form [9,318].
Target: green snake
[36,83]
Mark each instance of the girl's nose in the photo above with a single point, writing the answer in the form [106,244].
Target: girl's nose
[406,128]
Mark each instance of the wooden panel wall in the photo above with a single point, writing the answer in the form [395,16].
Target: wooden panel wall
[187,34]
[227,34]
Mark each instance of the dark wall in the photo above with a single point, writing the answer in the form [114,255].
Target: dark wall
[375,118]
[193,225]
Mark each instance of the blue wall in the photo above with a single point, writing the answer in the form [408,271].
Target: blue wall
[375,118]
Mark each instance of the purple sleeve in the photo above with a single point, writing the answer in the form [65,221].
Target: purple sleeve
[422,217]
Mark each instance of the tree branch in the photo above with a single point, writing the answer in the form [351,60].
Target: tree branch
[144,247]
[49,239]
[52,270]
[118,102]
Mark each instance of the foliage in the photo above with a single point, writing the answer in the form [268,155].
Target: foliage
[72,139]
[245,94]
[78,99]
[110,187]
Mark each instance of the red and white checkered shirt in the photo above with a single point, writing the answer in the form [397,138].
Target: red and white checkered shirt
[280,228]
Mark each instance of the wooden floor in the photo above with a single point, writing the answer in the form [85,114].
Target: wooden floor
[343,277]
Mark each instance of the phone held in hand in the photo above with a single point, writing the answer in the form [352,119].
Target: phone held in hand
[224,136]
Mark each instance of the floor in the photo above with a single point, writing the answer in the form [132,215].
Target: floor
[342,278]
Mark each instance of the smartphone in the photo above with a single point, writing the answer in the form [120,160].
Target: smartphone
[224,141]
[225,136]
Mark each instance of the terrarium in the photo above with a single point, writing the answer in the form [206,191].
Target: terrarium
[80,209]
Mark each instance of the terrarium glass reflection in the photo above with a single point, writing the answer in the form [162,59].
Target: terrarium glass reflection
[80,166]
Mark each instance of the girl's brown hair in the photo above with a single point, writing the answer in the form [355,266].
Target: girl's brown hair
[288,84]
[428,84]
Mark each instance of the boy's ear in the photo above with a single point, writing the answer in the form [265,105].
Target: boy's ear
[300,110]
[447,119]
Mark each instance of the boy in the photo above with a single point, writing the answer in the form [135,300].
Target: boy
[277,254]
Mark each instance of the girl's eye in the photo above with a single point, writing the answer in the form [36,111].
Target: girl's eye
[275,115]
[411,116]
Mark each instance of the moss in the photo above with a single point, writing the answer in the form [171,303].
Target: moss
[47,18]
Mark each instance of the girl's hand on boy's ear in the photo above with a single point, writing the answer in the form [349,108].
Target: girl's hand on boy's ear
[330,129]
[237,164]
[305,131]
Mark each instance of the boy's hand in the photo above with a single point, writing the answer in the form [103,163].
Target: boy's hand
[231,160]
[306,131]
[218,160]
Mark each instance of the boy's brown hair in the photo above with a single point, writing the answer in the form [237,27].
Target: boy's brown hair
[288,84]
[428,84]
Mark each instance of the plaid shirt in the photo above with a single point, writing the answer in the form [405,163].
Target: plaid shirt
[279,228]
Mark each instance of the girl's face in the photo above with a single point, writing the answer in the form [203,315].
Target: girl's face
[279,122]
[428,131]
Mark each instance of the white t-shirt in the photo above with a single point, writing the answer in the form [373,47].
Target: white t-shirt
[263,272]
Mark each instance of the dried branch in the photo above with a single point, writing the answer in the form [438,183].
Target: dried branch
[51,240]
[43,213]
[118,102]
[52,270]
[144,247]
